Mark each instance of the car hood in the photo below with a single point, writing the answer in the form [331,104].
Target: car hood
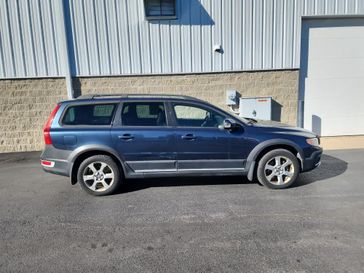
[278,127]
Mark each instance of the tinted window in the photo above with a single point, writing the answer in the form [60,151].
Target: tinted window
[194,116]
[143,114]
[93,114]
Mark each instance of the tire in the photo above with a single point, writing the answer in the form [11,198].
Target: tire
[99,175]
[278,169]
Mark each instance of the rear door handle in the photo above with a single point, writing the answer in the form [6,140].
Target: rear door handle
[126,137]
[189,137]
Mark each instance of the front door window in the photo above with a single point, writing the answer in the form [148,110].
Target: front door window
[194,116]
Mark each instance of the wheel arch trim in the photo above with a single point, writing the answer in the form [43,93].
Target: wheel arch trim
[270,143]
[92,148]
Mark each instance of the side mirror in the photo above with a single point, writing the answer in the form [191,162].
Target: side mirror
[230,124]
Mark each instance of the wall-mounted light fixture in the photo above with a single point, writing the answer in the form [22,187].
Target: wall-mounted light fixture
[218,49]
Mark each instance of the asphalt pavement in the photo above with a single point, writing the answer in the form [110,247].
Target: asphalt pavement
[212,224]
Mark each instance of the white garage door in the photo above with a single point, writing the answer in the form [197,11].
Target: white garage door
[332,63]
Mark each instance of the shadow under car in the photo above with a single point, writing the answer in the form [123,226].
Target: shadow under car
[330,167]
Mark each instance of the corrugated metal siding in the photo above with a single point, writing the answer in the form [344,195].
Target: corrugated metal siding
[29,39]
[254,34]
[112,37]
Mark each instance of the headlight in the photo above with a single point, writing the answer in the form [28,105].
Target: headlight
[313,141]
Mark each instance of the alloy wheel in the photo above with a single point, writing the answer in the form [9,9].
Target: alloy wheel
[279,170]
[98,176]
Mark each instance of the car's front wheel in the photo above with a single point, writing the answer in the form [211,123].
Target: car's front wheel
[99,175]
[278,169]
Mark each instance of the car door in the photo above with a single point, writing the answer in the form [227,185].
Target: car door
[143,138]
[203,145]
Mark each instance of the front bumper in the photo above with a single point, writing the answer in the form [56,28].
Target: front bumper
[313,161]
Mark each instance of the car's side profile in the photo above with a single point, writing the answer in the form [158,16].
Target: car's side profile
[101,140]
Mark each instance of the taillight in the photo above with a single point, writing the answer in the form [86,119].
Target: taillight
[47,126]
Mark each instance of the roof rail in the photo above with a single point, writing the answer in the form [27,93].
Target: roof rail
[96,96]
[160,96]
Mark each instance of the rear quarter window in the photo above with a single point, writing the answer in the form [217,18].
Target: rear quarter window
[90,114]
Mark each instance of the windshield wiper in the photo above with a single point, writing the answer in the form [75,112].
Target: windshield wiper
[251,120]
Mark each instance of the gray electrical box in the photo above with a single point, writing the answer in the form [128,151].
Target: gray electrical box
[256,108]
[231,97]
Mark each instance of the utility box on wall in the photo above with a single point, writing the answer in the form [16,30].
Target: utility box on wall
[256,108]
[231,97]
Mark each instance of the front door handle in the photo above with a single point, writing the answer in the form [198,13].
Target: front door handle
[189,137]
[126,137]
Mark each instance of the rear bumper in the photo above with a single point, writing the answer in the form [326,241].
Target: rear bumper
[59,167]
[59,161]
[313,161]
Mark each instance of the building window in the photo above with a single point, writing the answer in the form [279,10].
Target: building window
[160,9]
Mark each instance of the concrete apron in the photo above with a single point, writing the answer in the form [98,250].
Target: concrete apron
[342,142]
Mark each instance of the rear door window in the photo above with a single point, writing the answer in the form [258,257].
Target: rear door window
[90,114]
[143,114]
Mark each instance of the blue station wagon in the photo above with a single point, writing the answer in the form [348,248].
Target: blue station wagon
[101,140]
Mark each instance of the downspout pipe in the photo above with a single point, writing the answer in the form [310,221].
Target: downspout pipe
[65,50]
[300,111]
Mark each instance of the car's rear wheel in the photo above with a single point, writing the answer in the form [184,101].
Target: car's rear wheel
[99,175]
[278,169]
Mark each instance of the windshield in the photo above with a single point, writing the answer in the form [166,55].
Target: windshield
[232,114]
[248,120]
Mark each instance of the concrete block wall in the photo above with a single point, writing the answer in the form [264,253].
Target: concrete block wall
[26,104]
[24,108]
[281,85]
